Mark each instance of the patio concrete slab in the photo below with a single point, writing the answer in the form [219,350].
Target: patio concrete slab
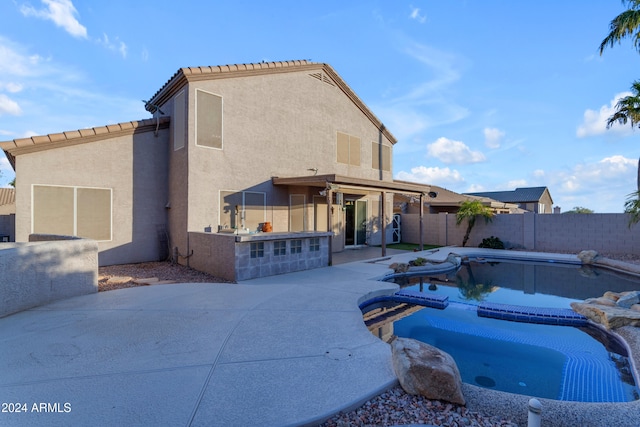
[283,350]
[276,351]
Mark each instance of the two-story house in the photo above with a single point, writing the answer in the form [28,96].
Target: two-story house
[231,151]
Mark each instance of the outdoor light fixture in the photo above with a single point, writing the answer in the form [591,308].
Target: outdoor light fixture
[432,194]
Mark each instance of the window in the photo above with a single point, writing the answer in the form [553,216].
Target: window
[296,246]
[348,149]
[208,120]
[280,247]
[257,250]
[380,151]
[72,211]
[242,209]
[314,244]
[179,121]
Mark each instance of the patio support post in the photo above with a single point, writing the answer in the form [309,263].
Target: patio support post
[383,226]
[421,221]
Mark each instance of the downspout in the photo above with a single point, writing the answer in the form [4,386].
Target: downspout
[383,226]
[330,223]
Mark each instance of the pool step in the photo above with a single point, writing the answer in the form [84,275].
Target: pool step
[519,313]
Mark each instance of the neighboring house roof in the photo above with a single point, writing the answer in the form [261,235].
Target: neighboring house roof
[7,196]
[519,195]
[450,198]
[81,136]
[323,72]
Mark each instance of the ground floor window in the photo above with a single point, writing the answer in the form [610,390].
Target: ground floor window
[72,211]
[314,244]
[243,209]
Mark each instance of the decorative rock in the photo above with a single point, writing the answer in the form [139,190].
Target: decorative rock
[426,370]
[609,317]
[612,295]
[399,267]
[628,299]
[588,257]
[118,280]
[601,301]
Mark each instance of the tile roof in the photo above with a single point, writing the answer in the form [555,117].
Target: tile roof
[192,74]
[80,136]
[519,195]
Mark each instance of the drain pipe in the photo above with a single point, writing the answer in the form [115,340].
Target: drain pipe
[535,409]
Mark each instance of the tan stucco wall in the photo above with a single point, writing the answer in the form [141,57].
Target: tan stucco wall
[273,125]
[606,233]
[138,199]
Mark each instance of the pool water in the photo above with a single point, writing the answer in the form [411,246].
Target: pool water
[535,284]
[555,362]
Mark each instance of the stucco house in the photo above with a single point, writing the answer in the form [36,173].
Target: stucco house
[229,152]
[530,199]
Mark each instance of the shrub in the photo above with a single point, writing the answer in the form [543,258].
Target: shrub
[491,243]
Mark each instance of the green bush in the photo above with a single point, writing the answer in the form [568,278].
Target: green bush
[491,243]
[418,262]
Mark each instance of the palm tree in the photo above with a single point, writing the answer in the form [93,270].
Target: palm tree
[627,25]
[471,210]
[624,26]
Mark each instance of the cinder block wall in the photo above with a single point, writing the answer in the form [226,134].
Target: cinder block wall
[607,233]
[38,273]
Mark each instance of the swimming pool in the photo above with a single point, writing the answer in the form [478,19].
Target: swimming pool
[555,362]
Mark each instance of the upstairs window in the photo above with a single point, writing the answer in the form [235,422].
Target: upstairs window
[380,157]
[348,149]
[208,120]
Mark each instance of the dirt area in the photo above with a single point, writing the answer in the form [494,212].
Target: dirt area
[148,273]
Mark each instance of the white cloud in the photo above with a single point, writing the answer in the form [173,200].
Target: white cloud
[475,188]
[516,183]
[595,122]
[610,172]
[432,175]
[416,15]
[12,87]
[450,151]
[9,106]
[60,12]
[493,137]
[538,173]
[116,46]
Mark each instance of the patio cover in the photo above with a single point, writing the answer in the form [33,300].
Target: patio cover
[335,183]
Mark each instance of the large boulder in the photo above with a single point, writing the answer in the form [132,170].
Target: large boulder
[588,257]
[426,370]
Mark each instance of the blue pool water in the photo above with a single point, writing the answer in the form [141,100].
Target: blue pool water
[556,362]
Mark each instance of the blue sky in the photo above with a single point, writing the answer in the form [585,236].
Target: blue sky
[482,95]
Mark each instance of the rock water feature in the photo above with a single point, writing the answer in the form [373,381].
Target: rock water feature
[612,310]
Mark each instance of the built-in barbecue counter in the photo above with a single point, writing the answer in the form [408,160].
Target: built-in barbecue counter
[258,254]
